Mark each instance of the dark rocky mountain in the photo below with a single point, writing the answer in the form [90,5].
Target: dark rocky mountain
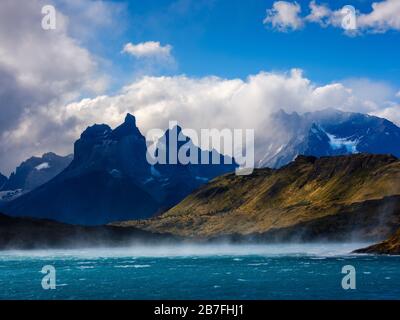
[110,179]
[329,133]
[36,171]
[354,197]
[176,177]
[3,181]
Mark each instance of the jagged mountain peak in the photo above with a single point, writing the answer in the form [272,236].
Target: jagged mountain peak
[100,132]
[101,148]
[36,171]
[329,132]
[130,118]
[96,131]
[283,112]
[127,128]
[175,132]
[172,135]
[111,179]
[49,155]
[175,129]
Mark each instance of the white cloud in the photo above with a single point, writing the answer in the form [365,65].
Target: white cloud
[208,102]
[392,113]
[148,49]
[39,69]
[319,13]
[384,16]
[284,16]
[89,19]
[378,93]
[323,15]
[151,58]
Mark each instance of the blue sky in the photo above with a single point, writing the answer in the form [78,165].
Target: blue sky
[203,63]
[228,39]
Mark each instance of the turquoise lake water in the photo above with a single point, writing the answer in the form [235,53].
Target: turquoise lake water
[200,272]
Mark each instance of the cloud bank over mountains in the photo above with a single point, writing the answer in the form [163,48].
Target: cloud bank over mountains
[52,86]
[209,102]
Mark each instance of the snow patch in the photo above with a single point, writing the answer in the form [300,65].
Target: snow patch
[339,143]
[270,155]
[42,166]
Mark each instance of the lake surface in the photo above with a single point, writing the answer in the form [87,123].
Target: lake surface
[200,272]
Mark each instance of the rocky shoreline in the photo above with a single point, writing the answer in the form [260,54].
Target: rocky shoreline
[391,246]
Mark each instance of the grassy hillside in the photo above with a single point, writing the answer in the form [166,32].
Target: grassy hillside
[333,197]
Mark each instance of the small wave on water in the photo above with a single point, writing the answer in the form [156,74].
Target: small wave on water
[137,266]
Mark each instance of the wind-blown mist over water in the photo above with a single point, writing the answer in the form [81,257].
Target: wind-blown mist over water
[176,250]
[304,271]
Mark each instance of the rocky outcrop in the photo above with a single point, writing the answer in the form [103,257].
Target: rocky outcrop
[390,246]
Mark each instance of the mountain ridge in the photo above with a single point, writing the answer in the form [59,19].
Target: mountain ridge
[36,171]
[111,179]
[329,132]
[308,194]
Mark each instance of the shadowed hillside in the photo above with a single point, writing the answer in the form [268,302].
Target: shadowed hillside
[30,233]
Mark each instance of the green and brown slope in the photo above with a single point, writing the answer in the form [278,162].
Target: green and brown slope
[333,198]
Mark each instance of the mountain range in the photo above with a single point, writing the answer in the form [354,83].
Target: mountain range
[110,179]
[339,198]
[328,132]
[32,173]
